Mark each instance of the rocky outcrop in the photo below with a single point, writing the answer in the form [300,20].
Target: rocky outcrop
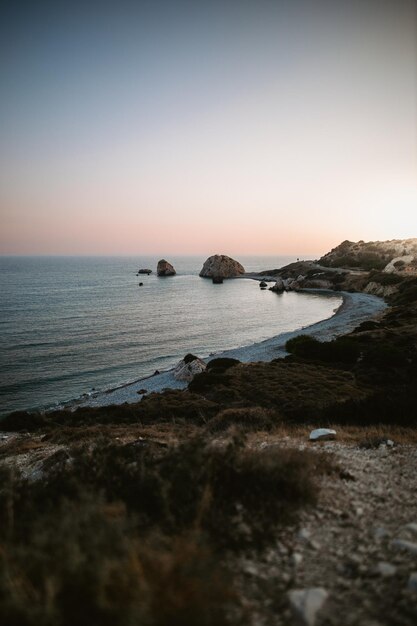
[165,269]
[288,284]
[221,266]
[383,291]
[397,254]
[188,367]
[144,271]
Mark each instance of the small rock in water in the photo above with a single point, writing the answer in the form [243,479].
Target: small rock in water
[142,391]
[306,603]
[322,433]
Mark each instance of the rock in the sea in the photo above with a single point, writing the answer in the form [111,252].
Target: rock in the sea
[278,287]
[306,603]
[322,433]
[144,271]
[263,284]
[165,269]
[188,367]
[221,266]
[217,280]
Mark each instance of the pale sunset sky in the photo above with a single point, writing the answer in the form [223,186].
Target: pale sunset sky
[175,127]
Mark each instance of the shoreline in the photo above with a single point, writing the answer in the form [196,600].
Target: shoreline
[355,308]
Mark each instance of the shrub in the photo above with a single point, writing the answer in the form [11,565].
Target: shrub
[246,419]
[341,350]
[222,363]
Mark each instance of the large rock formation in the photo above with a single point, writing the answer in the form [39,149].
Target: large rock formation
[394,256]
[188,367]
[165,269]
[221,266]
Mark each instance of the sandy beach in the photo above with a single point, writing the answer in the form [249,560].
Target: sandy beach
[354,309]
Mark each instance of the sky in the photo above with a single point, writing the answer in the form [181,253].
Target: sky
[193,127]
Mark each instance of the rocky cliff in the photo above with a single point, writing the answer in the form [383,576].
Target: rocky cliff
[396,255]
[221,266]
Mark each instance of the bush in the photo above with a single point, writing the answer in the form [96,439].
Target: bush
[222,363]
[341,350]
[246,419]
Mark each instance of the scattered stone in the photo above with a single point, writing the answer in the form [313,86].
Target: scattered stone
[402,544]
[297,559]
[140,284]
[322,433]
[412,582]
[390,443]
[165,269]
[381,533]
[145,271]
[188,367]
[386,569]
[304,534]
[306,603]
[142,391]
[263,284]
[411,528]
[222,266]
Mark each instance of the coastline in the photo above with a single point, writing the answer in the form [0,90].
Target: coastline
[355,308]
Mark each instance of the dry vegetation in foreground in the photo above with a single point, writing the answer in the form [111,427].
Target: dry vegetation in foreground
[136,533]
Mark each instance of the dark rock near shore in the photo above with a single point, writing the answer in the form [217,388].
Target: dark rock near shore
[145,271]
[221,266]
[217,280]
[165,269]
[263,284]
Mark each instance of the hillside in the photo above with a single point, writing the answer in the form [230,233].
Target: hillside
[396,255]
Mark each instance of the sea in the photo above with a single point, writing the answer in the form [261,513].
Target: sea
[70,325]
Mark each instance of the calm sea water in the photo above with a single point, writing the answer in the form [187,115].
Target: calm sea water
[70,324]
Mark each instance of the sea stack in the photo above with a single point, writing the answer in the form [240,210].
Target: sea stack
[221,266]
[165,269]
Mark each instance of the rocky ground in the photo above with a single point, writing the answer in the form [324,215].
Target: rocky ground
[351,561]
[356,552]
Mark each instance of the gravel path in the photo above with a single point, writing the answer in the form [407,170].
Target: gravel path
[359,544]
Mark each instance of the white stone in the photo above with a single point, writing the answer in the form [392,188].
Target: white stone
[386,569]
[322,433]
[306,603]
[187,371]
[381,532]
[412,582]
[297,559]
[402,544]
[411,527]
